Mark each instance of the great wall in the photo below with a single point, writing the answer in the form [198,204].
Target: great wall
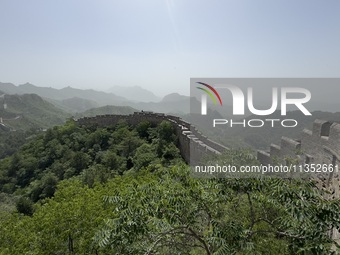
[319,145]
[190,140]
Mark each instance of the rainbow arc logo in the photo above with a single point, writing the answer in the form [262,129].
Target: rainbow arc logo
[209,90]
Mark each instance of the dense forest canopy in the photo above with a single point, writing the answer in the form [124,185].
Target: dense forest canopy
[126,190]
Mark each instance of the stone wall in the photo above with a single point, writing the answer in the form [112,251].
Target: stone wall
[192,144]
[321,145]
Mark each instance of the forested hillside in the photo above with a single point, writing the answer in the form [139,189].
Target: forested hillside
[98,154]
[126,190]
[24,116]
[29,111]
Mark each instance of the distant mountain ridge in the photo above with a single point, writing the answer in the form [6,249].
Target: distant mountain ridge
[76,104]
[60,94]
[29,111]
[174,97]
[108,109]
[135,93]
[77,100]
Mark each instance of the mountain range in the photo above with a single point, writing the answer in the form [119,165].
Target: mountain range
[75,100]
[135,94]
[28,106]
[22,117]
[29,111]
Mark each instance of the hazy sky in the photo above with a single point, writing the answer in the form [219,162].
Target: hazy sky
[160,44]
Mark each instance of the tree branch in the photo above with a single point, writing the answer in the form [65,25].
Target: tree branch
[201,241]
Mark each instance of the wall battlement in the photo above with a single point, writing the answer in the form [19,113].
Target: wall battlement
[191,141]
[321,145]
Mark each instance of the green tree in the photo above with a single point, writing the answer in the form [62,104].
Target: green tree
[25,206]
[65,224]
[80,161]
[144,156]
[168,212]
[143,129]
[112,161]
[129,143]
[166,131]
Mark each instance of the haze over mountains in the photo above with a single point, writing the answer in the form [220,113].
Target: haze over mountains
[27,106]
[135,93]
[78,100]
